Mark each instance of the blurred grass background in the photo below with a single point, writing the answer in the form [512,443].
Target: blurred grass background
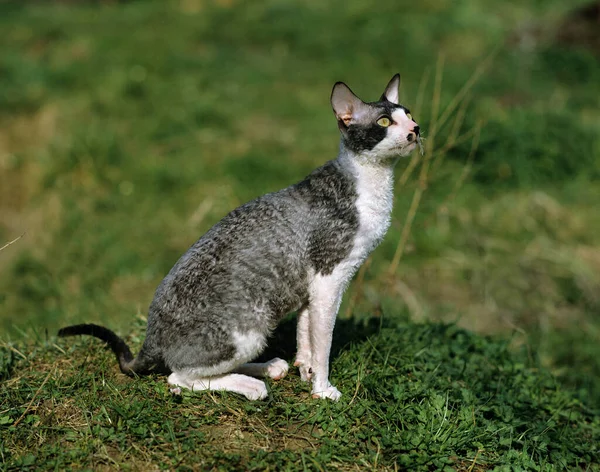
[127,129]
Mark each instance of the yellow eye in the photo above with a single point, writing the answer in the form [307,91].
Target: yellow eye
[409,116]
[384,121]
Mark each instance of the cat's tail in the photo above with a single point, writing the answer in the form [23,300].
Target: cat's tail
[129,365]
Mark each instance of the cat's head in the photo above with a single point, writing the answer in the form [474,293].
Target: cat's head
[378,130]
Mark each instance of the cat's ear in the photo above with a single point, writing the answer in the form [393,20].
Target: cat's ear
[391,91]
[345,104]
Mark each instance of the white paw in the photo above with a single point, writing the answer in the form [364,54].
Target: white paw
[304,368]
[305,373]
[176,384]
[256,392]
[277,368]
[329,392]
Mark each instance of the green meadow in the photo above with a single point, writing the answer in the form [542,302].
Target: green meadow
[470,340]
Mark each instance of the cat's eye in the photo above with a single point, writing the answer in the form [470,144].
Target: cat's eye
[408,115]
[384,121]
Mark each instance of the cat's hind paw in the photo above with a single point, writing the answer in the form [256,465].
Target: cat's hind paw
[276,368]
[256,392]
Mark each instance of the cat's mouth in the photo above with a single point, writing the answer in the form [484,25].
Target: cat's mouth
[410,146]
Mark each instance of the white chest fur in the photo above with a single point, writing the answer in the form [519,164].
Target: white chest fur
[375,189]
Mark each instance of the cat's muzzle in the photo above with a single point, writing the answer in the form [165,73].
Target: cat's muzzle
[414,134]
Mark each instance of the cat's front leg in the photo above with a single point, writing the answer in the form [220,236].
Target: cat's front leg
[326,295]
[304,352]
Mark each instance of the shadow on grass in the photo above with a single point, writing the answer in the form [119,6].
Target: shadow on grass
[282,342]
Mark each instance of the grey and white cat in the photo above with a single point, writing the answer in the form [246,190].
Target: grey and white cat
[292,250]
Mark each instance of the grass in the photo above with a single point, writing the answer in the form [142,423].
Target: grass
[417,396]
[469,339]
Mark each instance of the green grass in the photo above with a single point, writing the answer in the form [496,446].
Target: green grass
[422,397]
[127,129]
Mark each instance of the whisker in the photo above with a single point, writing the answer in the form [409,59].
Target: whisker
[420,143]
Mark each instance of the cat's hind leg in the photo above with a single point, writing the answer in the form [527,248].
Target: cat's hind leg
[251,388]
[276,369]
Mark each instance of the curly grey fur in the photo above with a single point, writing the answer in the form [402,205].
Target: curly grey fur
[251,269]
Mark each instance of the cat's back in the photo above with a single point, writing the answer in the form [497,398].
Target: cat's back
[285,221]
[263,251]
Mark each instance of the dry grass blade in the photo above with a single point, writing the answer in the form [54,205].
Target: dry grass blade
[474,461]
[424,170]
[421,92]
[458,98]
[459,119]
[33,399]
[13,349]
[436,124]
[412,211]
[416,157]
[467,167]
[11,242]
[461,139]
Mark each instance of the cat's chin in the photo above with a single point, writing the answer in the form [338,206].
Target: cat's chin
[407,149]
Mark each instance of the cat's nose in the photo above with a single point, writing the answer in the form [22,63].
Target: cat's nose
[413,134]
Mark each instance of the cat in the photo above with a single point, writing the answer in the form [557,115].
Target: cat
[292,250]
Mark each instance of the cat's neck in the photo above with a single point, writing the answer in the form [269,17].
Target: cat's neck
[374,178]
[366,162]
[375,197]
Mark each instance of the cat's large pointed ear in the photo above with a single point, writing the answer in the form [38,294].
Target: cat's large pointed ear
[345,104]
[391,91]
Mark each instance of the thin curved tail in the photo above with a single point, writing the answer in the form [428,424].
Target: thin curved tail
[127,362]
